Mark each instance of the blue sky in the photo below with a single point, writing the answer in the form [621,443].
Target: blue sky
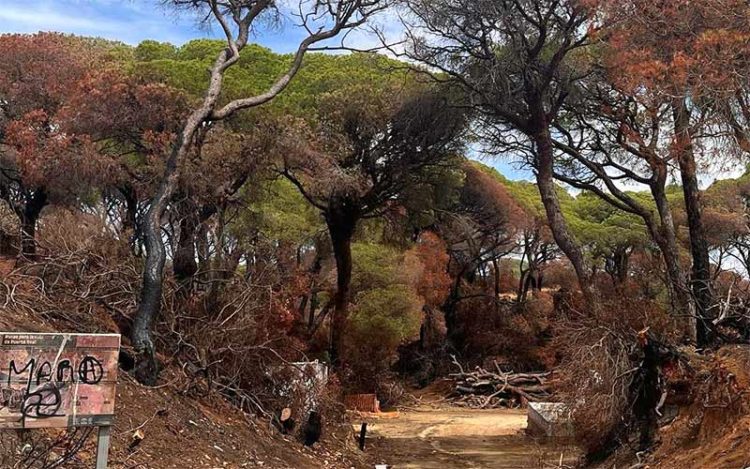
[132,21]
[129,21]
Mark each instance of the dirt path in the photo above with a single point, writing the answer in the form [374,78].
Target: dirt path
[429,438]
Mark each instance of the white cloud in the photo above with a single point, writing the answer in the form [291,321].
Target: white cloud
[25,19]
[127,21]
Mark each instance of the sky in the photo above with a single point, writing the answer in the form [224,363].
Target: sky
[129,21]
[132,21]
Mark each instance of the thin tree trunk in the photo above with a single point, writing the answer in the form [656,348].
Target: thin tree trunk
[312,298]
[496,278]
[701,271]
[184,264]
[313,309]
[678,290]
[28,237]
[521,290]
[451,303]
[29,216]
[555,219]
[129,218]
[521,271]
[146,370]
[202,247]
[303,301]
[665,236]
[623,267]
[341,224]
[539,282]
[616,265]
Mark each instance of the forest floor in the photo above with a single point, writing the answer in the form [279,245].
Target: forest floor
[184,426]
[189,432]
[435,435]
[180,424]
[182,430]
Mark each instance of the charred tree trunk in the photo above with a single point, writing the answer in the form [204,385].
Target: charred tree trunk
[618,264]
[185,264]
[226,260]
[192,220]
[229,266]
[496,278]
[555,218]
[146,369]
[700,281]
[644,393]
[532,282]
[28,217]
[678,289]
[242,15]
[530,245]
[28,237]
[341,219]
[202,247]
[451,303]
[312,298]
[521,291]
[130,217]
[527,282]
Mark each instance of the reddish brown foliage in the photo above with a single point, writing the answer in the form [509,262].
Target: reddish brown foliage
[679,44]
[132,119]
[38,76]
[434,281]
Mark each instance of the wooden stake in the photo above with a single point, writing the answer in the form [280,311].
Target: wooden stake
[362,435]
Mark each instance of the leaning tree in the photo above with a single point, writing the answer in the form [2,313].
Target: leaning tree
[613,138]
[516,63]
[322,20]
[685,62]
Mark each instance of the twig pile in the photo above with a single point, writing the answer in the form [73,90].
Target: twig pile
[485,389]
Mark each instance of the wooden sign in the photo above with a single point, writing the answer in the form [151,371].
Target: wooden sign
[57,380]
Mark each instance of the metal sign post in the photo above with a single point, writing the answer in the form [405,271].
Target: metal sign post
[102,447]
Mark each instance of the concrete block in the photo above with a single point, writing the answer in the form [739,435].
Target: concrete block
[551,419]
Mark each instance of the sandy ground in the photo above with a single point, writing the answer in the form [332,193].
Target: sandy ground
[442,438]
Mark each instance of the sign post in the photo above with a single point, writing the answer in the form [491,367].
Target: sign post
[59,381]
[102,447]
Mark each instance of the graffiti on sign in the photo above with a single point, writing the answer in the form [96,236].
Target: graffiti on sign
[57,380]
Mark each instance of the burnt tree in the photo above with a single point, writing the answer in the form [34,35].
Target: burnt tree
[376,157]
[322,19]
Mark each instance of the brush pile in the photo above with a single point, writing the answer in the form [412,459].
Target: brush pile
[482,389]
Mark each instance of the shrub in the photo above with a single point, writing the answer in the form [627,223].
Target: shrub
[386,312]
[511,334]
[393,312]
[381,320]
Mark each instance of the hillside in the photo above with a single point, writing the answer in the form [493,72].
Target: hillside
[179,423]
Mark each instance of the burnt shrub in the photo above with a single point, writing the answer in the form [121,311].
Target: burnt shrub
[611,356]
